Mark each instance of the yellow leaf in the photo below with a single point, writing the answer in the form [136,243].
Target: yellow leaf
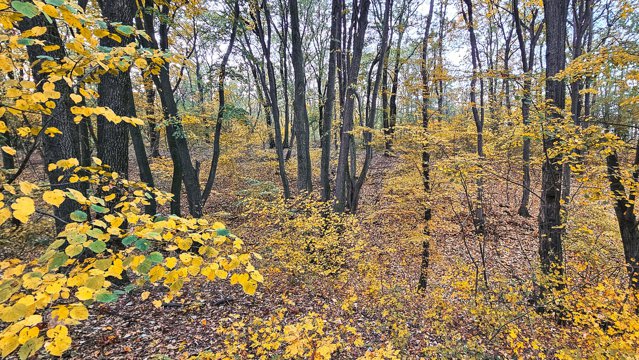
[171,262]
[141,63]
[76,98]
[27,187]
[52,131]
[8,344]
[84,293]
[50,48]
[79,312]
[145,295]
[53,197]
[5,214]
[60,340]
[60,314]
[28,333]
[23,208]
[9,150]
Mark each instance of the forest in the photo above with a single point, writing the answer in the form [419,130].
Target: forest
[319,179]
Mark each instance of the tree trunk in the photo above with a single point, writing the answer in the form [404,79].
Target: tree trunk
[67,144]
[527,64]
[220,111]
[478,113]
[550,244]
[154,134]
[116,93]
[334,48]
[178,145]
[360,21]
[624,211]
[304,178]
[270,92]
[423,274]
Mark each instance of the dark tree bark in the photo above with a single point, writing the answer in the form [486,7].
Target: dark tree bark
[440,57]
[270,88]
[478,112]
[359,23]
[624,206]
[283,34]
[304,178]
[220,111]
[154,134]
[423,273]
[581,15]
[550,244]
[183,169]
[116,93]
[67,144]
[527,64]
[334,47]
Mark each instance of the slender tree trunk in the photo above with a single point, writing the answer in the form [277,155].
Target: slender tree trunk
[220,111]
[304,178]
[624,206]
[154,134]
[270,91]
[478,113]
[176,138]
[527,64]
[423,273]
[334,47]
[360,21]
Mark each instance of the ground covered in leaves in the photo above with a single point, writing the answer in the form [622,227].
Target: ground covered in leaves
[354,292]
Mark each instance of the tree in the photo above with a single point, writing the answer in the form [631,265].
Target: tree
[527,52]
[183,169]
[304,179]
[426,94]
[66,145]
[221,104]
[327,119]
[550,218]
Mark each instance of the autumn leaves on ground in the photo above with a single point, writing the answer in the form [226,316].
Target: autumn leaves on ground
[284,179]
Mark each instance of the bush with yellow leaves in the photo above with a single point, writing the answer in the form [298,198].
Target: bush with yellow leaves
[305,236]
[109,240]
[310,337]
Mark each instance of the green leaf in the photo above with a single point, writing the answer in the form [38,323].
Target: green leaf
[145,266]
[58,260]
[129,240]
[103,264]
[106,297]
[95,233]
[30,347]
[155,257]
[125,29]
[54,2]
[25,41]
[78,216]
[98,246]
[223,232]
[99,209]
[27,9]
[56,244]
[142,244]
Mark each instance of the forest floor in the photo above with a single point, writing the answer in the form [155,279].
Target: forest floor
[390,217]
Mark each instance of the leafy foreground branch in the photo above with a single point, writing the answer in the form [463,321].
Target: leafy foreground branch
[108,249]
